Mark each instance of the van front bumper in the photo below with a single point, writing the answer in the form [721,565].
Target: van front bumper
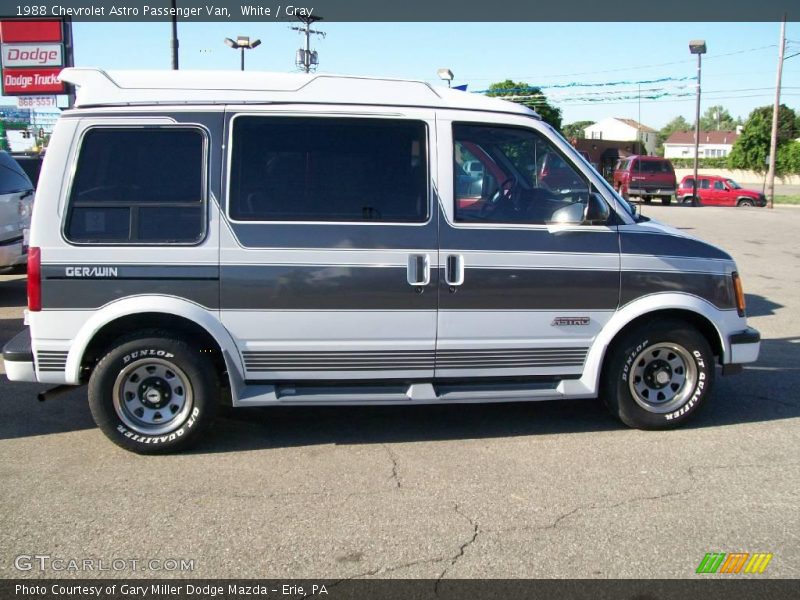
[18,357]
[745,346]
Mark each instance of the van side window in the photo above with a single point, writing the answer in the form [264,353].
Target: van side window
[138,186]
[524,178]
[328,169]
[704,184]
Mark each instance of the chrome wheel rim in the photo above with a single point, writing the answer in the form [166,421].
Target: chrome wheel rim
[663,377]
[152,396]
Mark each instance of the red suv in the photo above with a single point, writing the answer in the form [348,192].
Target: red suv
[719,191]
[646,177]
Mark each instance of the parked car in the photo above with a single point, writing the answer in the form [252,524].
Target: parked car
[31,163]
[216,245]
[713,190]
[16,197]
[645,177]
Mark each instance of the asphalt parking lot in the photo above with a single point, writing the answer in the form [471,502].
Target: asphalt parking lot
[509,490]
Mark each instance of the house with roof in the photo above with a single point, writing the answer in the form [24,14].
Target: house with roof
[623,130]
[713,144]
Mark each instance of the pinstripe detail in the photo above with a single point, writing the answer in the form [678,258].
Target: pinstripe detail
[414,359]
[51,360]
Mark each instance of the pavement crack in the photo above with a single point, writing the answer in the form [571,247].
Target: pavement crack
[462,548]
[394,475]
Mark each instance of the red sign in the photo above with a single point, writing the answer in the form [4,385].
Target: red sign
[32,81]
[14,30]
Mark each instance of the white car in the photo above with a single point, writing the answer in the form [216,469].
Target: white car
[16,200]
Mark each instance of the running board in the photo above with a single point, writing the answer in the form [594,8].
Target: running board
[415,393]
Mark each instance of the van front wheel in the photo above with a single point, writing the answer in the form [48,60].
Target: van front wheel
[153,395]
[657,376]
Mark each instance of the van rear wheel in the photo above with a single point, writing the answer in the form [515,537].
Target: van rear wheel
[658,375]
[153,395]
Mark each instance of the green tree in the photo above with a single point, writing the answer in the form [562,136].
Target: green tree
[717,117]
[529,96]
[3,137]
[676,124]
[752,147]
[575,130]
[788,158]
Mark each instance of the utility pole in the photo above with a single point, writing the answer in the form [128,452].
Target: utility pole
[773,142]
[305,58]
[174,42]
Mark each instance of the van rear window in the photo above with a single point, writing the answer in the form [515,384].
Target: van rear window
[138,186]
[328,169]
[653,166]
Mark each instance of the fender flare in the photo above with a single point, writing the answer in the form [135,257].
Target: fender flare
[588,384]
[167,305]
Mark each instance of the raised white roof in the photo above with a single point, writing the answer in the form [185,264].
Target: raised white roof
[96,87]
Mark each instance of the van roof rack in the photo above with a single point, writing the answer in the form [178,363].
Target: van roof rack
[96,87]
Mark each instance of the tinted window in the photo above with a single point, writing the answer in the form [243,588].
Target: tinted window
[718,185]
[653,166]
[138,186]
[12,177]
[525,177]
[688,182]
[704,184]
[315,169]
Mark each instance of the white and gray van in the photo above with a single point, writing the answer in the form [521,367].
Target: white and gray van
[262,239]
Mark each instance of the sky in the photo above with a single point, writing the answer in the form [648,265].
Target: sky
[738,71]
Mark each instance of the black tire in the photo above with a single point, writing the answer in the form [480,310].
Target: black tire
[635,362]
[690,201]
[174,404]
[647,199]
[666,200]
[745,202]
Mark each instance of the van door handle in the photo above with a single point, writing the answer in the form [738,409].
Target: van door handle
[419,269]
[454,270]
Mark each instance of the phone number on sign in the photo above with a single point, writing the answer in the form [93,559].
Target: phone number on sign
[35,101]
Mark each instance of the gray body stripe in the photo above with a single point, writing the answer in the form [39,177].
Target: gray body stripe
[533,289]
[336,236]
[94,293]
[715,288]
[529,240]
[515,358]
[663,244]
[370,287]
[324,288]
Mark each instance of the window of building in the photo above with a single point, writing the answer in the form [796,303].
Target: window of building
[328,169]
[138,186]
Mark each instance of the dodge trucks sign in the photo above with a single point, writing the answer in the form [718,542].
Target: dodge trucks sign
[32,55]
[29,82]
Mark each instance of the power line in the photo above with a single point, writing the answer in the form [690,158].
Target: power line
[621,69]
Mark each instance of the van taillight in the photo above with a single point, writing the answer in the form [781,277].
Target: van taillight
[34,279]
[738,291]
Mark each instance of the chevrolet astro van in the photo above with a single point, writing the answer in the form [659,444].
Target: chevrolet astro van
[266,239]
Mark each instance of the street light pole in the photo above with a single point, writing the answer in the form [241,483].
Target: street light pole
[773,140]
[174,42]
[242,43]
[697,47]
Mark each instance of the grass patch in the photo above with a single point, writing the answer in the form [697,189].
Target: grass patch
[787,199]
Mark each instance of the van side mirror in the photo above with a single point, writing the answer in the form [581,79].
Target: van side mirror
[596,211]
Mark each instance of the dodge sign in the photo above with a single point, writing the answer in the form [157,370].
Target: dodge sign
[32,81]
[32,55]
